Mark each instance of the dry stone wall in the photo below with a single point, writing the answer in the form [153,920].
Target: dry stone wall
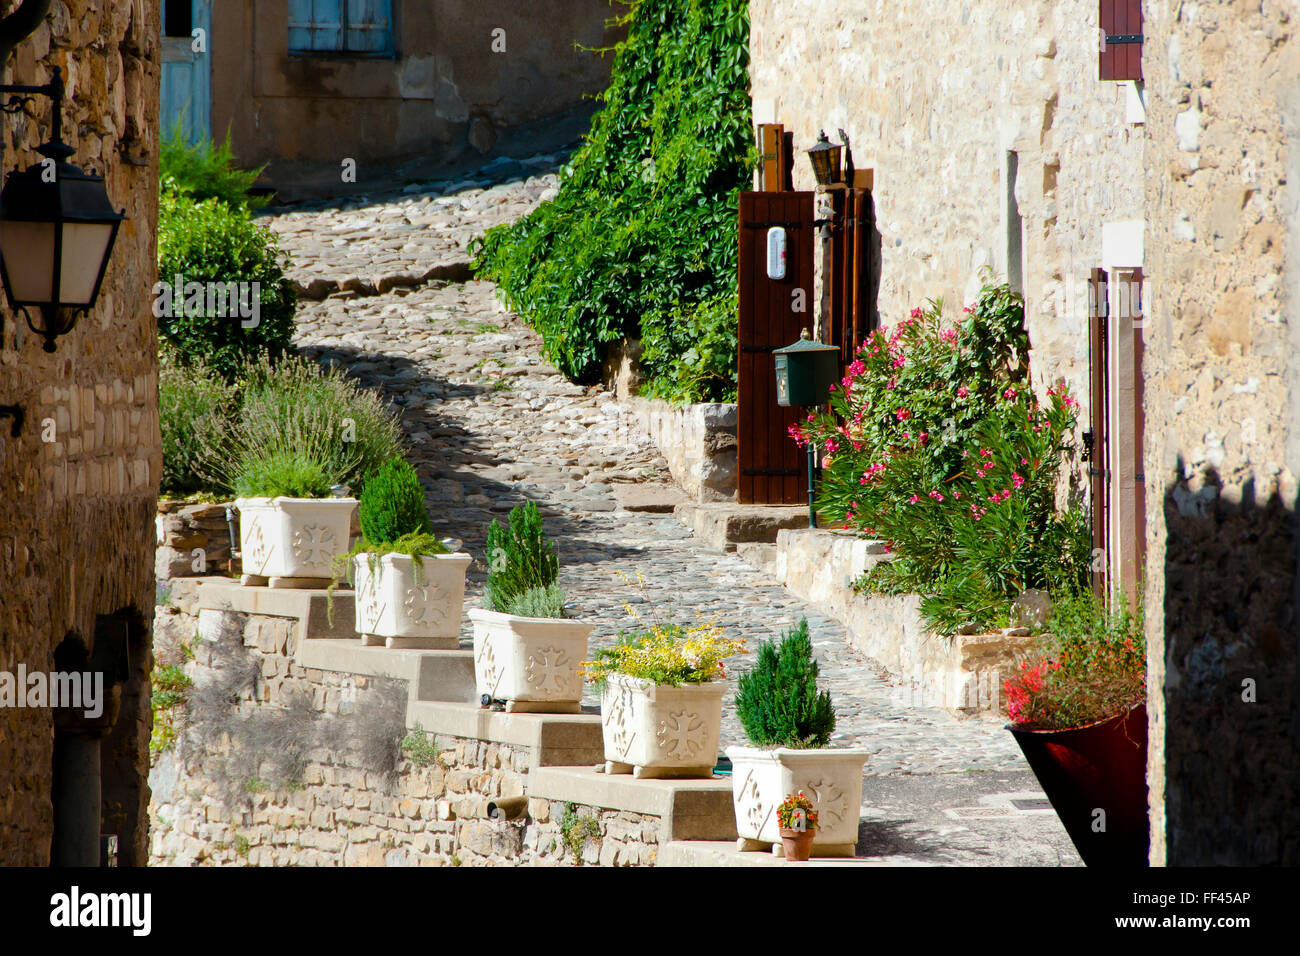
[80,480]
[1223,446]
[308,769]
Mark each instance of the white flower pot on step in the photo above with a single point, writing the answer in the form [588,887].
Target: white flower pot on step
[532,663]
[292,542]
[407,602]
[831,779]
[656,730]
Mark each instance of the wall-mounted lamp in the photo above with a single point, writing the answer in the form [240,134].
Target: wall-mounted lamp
[57,224]
[825,157]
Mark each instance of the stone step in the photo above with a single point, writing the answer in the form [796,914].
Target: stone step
[555,740]
[758,555]
[658,499]
[721,526]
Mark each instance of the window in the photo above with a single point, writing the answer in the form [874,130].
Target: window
[1121,40]
[357,27]
[178,18]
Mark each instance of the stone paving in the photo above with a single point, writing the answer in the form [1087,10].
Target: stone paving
[492,424]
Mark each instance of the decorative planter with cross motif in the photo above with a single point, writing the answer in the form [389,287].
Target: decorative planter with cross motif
[532,663]
[292,542]
[404,604]
[656,730]
[831,779]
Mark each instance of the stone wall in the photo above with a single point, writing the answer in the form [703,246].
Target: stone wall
[933,97]
[455,90]
[80,480]
[962,674]
[192,540]
[698,442]
[309,768]
[1223,446]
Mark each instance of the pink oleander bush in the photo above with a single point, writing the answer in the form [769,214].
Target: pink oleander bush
[936,443]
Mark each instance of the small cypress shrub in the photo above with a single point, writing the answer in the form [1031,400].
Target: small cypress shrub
[392,504]
[778,702]
[519,557]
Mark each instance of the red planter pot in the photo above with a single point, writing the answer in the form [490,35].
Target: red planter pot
[1101,766]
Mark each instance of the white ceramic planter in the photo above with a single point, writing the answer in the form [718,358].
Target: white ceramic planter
[397,607]
[831,779]
[653,730]
[532,663]
[292,542]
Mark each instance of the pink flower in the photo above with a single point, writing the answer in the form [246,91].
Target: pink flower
[937,496]
[968,308]
[907,436]
[1024,461]
[1017,480]
[949,336]
[891,385]
[923,437]
[916,313]
[956,496]
[902,414]
[965,452]
[913,500]
[899,362]
[963,392]
[1009,393]
[830,388]
[1069,402]
[831,445]
[985,451]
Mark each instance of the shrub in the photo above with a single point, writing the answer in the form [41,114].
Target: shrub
[936,443]
[215,246]
[282,472]
[296,410]
[205,170]
[689,352]
[666,654]
[392,504]
[192,402]
[778,702]
[1091,666]
[519,557]
[542,601]
[645,218]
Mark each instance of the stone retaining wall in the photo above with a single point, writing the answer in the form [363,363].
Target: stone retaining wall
[699,442]
[963,673]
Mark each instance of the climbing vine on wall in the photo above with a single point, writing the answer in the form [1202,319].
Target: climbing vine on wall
[645,219]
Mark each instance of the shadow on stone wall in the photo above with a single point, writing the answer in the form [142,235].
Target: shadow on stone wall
[1232,701]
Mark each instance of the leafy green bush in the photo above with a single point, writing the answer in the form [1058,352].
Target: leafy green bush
[205,170]
[294,411]
[209,257]
[645,219]
[936,443]
[777,701]
[192,402]
[519,557]
[542,601]
[689,352]
[392,504]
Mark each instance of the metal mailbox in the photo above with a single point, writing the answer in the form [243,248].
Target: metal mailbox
[805,372]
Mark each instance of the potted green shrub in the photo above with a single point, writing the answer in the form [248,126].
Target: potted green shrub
[527,651]
[789,723]
[661,699]
[1078,711]
[409,589]
[292,522]
[797,819]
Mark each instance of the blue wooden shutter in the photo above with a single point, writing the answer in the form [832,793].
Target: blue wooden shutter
[316,25]
[369,26]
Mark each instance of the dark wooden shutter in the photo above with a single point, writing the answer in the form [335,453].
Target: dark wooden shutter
[1121,40]
[772,467]
[1099,407]
[316,26]
[1139,417]
[771,149]
[847,270]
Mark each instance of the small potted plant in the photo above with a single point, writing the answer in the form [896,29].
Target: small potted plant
[797,819]
[410,588]
[661,699]
[292,522]
[789,724]
[1078,712]
[527,651]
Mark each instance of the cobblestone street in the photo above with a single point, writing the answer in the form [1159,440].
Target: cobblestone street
[493,424]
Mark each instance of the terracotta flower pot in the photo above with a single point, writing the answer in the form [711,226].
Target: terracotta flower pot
[1095,778]
[798,844]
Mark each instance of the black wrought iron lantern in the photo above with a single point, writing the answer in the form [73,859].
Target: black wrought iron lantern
[57,230]
[826,161]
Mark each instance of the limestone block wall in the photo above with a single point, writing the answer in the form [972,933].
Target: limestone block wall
[80,480]
[1223,442]
[698,441]
[933,97]
[308,769]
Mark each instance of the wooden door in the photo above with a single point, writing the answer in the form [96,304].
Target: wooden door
[773,468]
[186,71]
